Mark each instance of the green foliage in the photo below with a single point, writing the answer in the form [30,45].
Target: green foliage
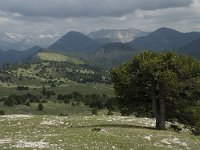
[40,107]
[111,104]
[166,83]
[27,103]
[20,99]
[43,90]
[73,104]
[10,101]
[22,88]
[125,111]
[110,113]
[94,111]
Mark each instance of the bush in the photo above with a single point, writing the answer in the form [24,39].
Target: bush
[10,101]
[94,111]
[125,111]
[2,112]
[110,113]
[73,104]
[44,101]
[111,104]
[40,107]
[27,103]
[22,88]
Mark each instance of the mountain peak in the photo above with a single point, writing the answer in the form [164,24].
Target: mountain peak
[75,41]
[74,33]
[165,29]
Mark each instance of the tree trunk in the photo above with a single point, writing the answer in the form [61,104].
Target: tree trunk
[159,110]
[155,110]
[162,115]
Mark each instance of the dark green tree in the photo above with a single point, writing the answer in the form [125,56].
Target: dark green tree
[43,90]
[163,85]
[10,101]
[40,107]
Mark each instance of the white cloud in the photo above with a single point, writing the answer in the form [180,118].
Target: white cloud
[85,8]
[89,15]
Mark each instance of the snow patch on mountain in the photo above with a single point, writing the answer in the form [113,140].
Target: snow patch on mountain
[117,35]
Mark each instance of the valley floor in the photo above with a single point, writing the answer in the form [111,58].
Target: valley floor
[27,132]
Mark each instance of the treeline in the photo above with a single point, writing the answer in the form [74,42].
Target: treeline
[20,99]
[22,88]
[92,100]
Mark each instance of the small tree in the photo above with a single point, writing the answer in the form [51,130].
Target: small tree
[10,101]
[40,107]
[43,90]
[164,84]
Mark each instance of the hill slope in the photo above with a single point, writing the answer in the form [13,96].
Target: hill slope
[75,41]
[109,55]
[50,56]
[165,39]
[192,49]
[13,56]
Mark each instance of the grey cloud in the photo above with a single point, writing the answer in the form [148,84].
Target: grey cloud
[85,8]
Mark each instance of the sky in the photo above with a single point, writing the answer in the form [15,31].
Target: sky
[91,15]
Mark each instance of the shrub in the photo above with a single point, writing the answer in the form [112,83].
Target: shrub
[22,88]
[73,104]
[10,101]
[27,103]
[110,113]
[94,111]
[125,111]
[40,107]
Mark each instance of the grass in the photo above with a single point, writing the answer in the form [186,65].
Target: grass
[26,132]
[50,108]
[89,88]
[58,57]
[66,88]
[26,128]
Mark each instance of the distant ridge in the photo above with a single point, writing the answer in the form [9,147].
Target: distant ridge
[192,49]
[105,36]
[75,41]
[14,56]
[165,39]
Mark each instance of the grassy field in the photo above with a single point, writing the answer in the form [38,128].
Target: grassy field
[27,132]
[26,128]
[63,89]
[58,57]
[50,108]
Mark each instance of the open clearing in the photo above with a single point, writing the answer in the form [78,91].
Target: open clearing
[27,132]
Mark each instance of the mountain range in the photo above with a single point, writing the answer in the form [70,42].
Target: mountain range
[165,39]
[24,41]
[87,48]
[45,38]
[116,35]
